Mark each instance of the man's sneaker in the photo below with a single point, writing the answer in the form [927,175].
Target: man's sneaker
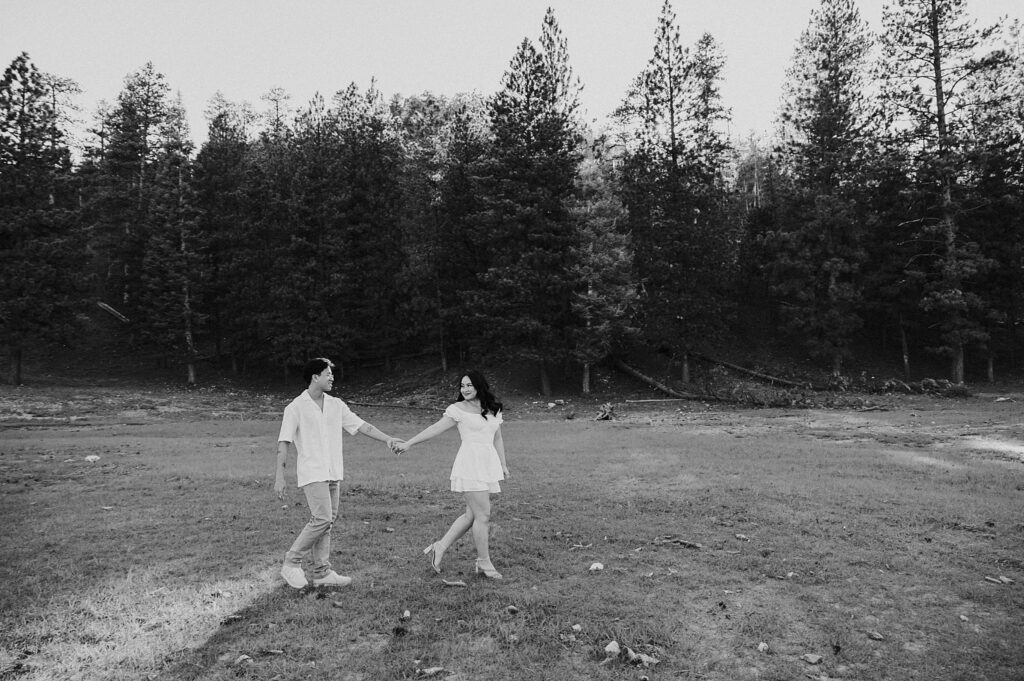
[294,576]
[332,578]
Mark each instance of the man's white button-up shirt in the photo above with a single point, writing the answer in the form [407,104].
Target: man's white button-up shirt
[316,435]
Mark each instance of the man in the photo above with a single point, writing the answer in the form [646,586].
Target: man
[313,422]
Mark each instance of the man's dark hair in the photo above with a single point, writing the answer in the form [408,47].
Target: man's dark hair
[314,367]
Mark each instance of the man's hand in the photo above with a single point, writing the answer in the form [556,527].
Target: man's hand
[279,486]
[396,445]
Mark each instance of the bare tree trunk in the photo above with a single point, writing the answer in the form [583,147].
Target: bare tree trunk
[186,298]
[15,366]
[837,364]
[905,351]
[440,329]
[586,378]
[958,363]
[545,380]
[686,368]
[441,342]
[991,367]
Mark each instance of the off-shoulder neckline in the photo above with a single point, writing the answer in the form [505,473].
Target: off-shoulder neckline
[467,411]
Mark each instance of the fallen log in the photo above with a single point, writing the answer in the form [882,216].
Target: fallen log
[660,399]
[755,374]
[392,406]
[622,366]
[111,311]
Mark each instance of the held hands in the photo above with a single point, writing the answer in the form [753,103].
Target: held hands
[397,446]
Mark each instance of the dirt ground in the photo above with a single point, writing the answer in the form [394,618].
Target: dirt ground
[989,424]
[45,433]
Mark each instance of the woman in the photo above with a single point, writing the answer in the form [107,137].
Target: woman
[479,466]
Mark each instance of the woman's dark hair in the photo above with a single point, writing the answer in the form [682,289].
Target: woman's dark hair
[488,402]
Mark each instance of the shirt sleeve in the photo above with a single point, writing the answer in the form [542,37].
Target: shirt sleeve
[349,420]
[289,424]
[453,412]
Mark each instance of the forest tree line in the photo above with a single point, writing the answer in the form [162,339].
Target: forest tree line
[887,205]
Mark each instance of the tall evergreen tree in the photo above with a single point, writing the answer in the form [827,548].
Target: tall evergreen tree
[440,137]
[817,252]
[932,51]
[673,186]
[994,121]
[463,247]
[323,231]
[363,223]
[525,309]
[259,254]
[219,178]
[40,245]
[603,268]
[123,187]
[174,268]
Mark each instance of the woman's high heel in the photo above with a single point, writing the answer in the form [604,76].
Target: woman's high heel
[484,566]
[435,560]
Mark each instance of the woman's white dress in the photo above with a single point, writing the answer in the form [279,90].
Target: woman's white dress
[477,467]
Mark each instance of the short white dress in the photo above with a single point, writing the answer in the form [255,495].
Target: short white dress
[477,467]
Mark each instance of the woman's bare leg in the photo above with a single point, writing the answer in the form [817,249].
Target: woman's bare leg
[479,504]
[458,528]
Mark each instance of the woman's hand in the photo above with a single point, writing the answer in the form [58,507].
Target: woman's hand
[506,471]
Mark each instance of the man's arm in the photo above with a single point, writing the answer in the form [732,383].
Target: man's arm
[369,430]
[282,459]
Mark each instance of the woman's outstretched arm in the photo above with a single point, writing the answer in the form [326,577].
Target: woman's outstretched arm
[443,424]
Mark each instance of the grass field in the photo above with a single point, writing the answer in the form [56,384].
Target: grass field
[870,541]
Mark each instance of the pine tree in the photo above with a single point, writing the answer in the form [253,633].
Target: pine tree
[362,221]
[440,137]
[817,252]
[40,245]
[309,279]
[931,54]
[463,247]
[219,177]
[994,121]
[122,188]
[256,262]
[673,186]
[603,268]
[174,268]
[525,308]
[654,111]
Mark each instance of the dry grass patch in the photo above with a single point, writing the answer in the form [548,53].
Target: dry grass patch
[866,543]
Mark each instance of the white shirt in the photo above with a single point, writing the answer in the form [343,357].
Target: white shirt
[316,435]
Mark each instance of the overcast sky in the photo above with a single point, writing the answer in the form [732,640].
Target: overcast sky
[243,48]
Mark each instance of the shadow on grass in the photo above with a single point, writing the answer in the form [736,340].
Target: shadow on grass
[161,560]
